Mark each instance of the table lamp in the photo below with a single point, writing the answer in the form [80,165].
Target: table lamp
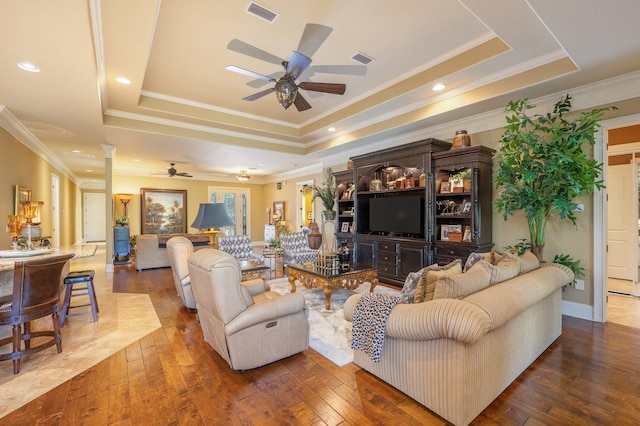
[211,216]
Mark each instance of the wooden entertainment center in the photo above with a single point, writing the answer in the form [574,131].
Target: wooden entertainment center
[391,207]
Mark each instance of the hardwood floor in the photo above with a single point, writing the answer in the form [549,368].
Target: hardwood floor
[588,376]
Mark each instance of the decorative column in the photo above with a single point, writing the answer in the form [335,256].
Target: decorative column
[109,153]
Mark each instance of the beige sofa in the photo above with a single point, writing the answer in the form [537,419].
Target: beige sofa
[456,356]
[149,254]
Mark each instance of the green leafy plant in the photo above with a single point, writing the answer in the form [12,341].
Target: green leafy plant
[542,165]
[326,192]
[520,247]
[569,262]
[122,221]
[464,174]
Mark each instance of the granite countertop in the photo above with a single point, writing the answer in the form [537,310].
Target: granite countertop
[79,250]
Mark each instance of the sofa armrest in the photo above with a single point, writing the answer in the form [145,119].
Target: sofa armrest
[436,319]
[255,287]
[271,309]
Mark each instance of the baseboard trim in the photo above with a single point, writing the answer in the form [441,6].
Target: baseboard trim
[578,310]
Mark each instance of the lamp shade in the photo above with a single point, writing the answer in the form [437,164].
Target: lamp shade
[212,215]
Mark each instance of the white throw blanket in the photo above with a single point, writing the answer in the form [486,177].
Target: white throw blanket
[370,321]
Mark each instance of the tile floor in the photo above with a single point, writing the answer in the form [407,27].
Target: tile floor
[123,319]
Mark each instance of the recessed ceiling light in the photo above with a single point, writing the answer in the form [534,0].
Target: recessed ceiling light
[76,151]
[28,66]
[88,170]
[123,80]
[331,129]
[438,87]
[135,159]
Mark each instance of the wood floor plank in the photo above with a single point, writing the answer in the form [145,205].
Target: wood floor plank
[172,376]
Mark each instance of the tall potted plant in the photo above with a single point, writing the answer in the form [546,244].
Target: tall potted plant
[542,165]
[327,193]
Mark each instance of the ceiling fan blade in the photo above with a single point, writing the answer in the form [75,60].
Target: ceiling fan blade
[312,38]
[259,94]
[297,64]
[336,89]
[183,174]
[249,73]
[249,50]
[258,83]
[301,103]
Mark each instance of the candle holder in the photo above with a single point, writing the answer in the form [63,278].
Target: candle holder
[14,226]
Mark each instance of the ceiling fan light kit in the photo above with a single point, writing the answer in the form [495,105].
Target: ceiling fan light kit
[243,176]
[286,91]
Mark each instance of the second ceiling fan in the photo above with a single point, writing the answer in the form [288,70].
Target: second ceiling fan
[286,88]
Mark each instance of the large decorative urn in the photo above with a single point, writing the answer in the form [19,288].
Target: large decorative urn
[315,236]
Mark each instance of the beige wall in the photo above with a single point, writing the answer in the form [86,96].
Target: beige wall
[197,192]
[21,166]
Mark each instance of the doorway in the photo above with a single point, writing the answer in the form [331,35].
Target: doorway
[95,220]
[238,204]
[625,130]
[305,204]
[55,210]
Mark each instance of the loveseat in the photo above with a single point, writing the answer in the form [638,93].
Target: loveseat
[151,250]
[455,356]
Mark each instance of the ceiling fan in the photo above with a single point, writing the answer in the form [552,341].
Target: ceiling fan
[286,88]
[173,172]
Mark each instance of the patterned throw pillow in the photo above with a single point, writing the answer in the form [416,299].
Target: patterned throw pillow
[410,286]
[430,275]
[461,285]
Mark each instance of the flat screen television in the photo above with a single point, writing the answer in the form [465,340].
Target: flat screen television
[401,216]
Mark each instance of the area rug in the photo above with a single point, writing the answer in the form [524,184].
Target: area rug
[330,333]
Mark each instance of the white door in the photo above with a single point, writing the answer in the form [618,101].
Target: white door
[95,221]
[55,210]
[623,232]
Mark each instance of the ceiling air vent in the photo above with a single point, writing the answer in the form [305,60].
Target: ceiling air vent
[261,12]
[362,58]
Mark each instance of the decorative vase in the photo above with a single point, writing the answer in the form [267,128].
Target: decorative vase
[328,215]
[315,236]
[343,256]
[461,140]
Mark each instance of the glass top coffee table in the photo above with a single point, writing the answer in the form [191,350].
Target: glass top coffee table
[310,276]
[252,270]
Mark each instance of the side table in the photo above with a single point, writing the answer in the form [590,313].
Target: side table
[273,254]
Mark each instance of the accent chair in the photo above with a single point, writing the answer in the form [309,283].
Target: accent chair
[179,249]
[245,323]
[296,248]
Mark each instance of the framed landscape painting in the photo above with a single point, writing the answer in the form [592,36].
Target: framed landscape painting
[163,211]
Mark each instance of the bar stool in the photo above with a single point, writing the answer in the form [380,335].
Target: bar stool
[71,281]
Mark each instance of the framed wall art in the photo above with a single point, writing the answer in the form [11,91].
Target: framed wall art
[163,211]
[22,196]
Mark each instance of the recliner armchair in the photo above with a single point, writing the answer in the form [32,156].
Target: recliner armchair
[239,246]
[245,323]
[296,248]
[178,250]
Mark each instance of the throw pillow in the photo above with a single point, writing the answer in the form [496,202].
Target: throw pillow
[430,275]
[528,262]
[410,286]
[459,286]
[507,268]
[493,257]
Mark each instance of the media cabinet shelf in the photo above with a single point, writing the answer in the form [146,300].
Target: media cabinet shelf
[468,213]
[427,163]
